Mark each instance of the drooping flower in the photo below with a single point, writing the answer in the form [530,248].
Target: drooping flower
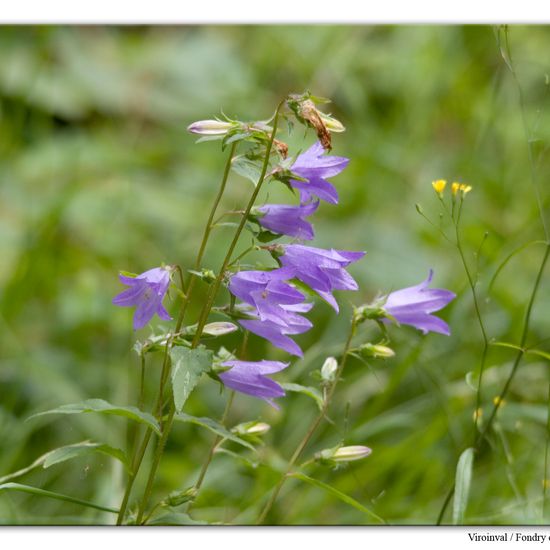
[268,293]
[314,166]
[414,306]
[146,292]
[278,334]
[249,377]
[285,219]
[322,270]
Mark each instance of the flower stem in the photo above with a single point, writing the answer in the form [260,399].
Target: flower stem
[305,440]
[207,307]
[138,457]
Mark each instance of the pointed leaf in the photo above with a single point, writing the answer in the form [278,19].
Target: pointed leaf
[462,485]
[72,451]
[51,494]
[247,169]
[215,427]
[103,407]
[188,365]
[338,494]
[314,393]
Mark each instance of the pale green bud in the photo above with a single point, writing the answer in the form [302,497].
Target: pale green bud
[328,370]
[376,350]
[343,454]
[219,328]
[350,453]
[332,124]
[253,428]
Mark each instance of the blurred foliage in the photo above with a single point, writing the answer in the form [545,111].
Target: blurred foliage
[98,174]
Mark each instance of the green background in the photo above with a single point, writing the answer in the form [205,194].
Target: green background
[98,174]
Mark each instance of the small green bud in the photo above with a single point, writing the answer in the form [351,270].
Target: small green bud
[331,123]
[374,311]
[219,328]
[253,428]
[342,454]
[206,275]
[376,350]
[328,370]
[178,498]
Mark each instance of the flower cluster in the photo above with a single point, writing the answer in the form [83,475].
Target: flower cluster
[271,301]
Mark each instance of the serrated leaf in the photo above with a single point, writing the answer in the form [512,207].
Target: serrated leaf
[463,480]
[188,365]
[103,407]
[247,169]
[314,393]
[338,494]
[72,451]
[215,427]
[50,494]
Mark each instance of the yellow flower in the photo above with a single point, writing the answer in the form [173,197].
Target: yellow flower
[462,187]
[498,401]
[439,186]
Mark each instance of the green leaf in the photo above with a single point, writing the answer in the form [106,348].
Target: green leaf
[462,485]
[103,407]
[247,169]
[338,494]
[51,494]
[472,380]
[540,353]
[314,393]
[250,463]
[215,427]
[72,451]
[188,365]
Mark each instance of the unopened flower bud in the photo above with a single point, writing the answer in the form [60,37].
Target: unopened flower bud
[331,123]
[210,127]
[376,350]
[251,428]
[181,497]
[370,311]
[328,370]
[219,328]
[343,454]
[350,453]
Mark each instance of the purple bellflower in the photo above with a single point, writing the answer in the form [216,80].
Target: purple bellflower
[268,293]
[322,270]
[275,306]
[249,377]
[314,166]
[285,219]
[414,305]
[146,292]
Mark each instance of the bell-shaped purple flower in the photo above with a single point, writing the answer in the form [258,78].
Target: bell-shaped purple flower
[249,377]
[146,292]
[268,293]
[322,270]
[285,219]
[277,334]
[314,166]
[414,305]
